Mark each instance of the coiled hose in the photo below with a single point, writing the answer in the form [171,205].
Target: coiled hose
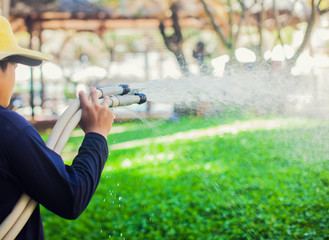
[57,140]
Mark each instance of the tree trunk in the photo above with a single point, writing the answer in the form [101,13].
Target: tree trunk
[260,30]
[226,44]
[310,23]
[174,43]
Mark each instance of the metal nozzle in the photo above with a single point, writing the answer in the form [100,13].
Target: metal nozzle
[142,97]
[125,100]
[122,89]
[126,89]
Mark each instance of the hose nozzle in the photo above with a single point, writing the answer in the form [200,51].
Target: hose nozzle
[138,98]
[126,89]
[122,89]
[142,97]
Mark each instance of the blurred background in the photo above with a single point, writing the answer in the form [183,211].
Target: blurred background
[102,42]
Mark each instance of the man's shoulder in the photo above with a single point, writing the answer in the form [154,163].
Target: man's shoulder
[11,123]
[8,116]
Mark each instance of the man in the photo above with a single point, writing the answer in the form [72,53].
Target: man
[28,166]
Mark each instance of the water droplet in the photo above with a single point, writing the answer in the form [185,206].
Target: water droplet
[160,156]
[150,157]
[207,166]
[126,163]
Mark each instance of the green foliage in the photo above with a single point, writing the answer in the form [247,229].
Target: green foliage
[270,184]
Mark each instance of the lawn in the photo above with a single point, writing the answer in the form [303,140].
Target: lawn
[251,184]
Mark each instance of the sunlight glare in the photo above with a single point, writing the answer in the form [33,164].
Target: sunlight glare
[245,55]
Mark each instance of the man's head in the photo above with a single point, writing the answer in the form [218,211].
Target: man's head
[11,54]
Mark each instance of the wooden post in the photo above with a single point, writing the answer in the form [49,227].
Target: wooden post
[42,82]
[5,6]
[29,24]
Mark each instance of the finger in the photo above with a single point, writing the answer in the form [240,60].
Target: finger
[93,96]
[113,116]
[106,102]
[83,99]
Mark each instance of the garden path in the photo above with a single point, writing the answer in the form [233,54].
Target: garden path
[234,128]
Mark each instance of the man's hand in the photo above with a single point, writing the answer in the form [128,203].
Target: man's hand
[95,117]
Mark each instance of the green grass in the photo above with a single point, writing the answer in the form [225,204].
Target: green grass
[261,184]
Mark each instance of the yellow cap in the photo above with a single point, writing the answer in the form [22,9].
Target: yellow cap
[11,50]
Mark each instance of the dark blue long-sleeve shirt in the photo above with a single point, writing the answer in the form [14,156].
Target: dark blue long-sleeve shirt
[28,166]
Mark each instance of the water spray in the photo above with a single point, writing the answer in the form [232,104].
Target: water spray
[119,96]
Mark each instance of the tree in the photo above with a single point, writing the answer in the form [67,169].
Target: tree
[229,19]
[175,41]
[230,39]
[318,8]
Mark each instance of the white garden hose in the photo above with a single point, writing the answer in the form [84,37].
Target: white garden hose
[74,107]
[58,138]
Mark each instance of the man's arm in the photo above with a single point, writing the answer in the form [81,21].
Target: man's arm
[41,173]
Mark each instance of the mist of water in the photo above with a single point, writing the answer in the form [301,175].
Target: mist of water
[257,88]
